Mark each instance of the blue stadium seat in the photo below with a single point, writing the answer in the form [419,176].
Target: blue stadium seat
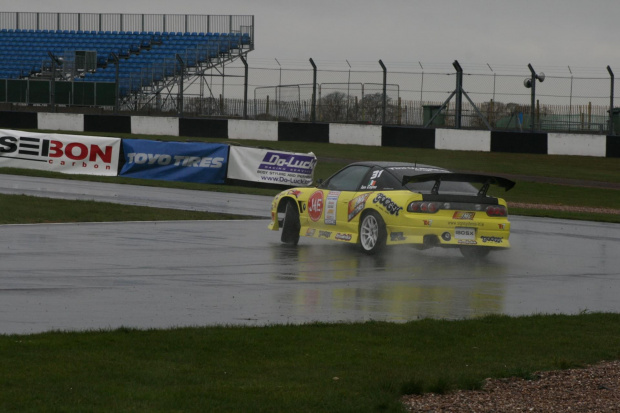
[145,57]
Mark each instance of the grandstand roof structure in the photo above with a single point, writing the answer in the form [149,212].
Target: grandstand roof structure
[131,57]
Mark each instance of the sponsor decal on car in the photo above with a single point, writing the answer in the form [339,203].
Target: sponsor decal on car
[463,215]
[501,226]
[325,234]
[496,240]
[315,206]
[331,205]
[356,205]
[343,237]
[294,192]
[467,242]
[372,184]
[310,232]
[427,222]
[465,224]
[397,236]
[390,206]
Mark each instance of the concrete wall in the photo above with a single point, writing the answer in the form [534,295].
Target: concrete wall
[368,135]
[463,140]
[152,125]
[349,134]
[576,144]
[61,121]
[260,130]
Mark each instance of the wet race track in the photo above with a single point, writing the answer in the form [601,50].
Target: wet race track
[165,274]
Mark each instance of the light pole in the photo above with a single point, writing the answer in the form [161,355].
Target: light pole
[531,83]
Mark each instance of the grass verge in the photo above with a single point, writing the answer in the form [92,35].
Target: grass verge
[23,209]
[362,367]
[334,156]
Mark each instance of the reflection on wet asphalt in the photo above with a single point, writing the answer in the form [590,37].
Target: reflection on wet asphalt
[165,274]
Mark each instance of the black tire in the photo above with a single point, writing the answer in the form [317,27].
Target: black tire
[372,233]
[474,253]
[291,225]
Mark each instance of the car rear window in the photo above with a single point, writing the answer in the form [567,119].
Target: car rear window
[460,188]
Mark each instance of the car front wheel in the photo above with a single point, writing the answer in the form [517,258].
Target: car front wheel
[372,234]
[291,225]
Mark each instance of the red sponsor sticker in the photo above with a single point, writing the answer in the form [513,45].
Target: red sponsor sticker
[315,206]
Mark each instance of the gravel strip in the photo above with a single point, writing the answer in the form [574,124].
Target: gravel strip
[594,389]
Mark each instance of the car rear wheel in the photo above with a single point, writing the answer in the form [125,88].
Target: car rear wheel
[474,253]
[291,225]
[372,234]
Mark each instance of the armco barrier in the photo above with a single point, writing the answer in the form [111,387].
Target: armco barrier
[408,137]
[517,142]
[18,120]
[303,132]
[392,136]
[612,149]
[203,128]
[107,123]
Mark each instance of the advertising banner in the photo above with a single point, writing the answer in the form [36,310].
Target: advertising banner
[271,167]
[175,161]
[70,154]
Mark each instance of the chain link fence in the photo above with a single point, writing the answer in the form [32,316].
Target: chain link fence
[413,98]
[563,103]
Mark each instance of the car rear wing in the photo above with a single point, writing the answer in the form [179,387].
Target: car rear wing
[485,180]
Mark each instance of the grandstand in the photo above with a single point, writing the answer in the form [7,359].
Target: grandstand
[112,59]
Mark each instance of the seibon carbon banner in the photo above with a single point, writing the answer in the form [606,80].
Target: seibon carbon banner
[70,154]
[271,166]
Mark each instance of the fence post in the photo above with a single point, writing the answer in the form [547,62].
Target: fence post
[384,98]
[611,102]
[245,88]
[116,82]
[313,108]
[53,82]
[180,101]
[459,95]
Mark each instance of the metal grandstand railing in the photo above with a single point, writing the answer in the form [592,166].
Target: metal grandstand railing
[128,22]
[143,55]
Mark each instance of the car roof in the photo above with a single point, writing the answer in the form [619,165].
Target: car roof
[401,165]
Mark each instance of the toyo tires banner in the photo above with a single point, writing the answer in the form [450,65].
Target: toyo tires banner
[175,161]
[271,166]
[70,154]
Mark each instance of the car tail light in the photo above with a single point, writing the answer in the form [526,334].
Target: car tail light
[497,211]
[424,207]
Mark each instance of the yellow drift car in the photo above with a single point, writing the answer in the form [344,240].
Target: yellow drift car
[375,204]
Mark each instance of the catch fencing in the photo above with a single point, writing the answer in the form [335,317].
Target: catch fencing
[563,102]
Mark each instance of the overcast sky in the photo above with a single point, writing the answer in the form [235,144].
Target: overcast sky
[552,35]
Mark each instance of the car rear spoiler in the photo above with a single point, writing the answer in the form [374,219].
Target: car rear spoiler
[485,180]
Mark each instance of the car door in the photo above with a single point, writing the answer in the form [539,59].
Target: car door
[328,206]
